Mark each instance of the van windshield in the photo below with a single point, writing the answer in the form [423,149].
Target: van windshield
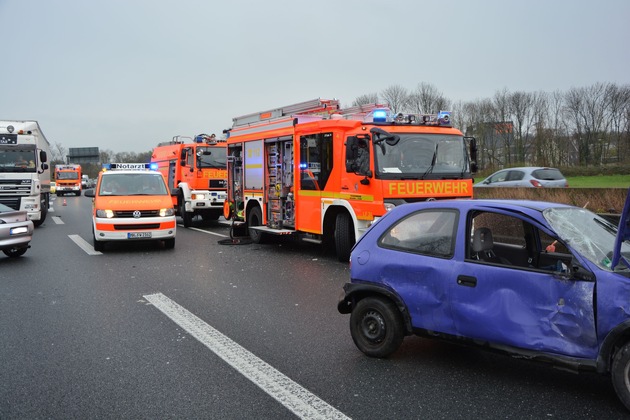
[133,184]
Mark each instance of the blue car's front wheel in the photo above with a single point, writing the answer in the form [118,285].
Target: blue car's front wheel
[620,373]
[376,326]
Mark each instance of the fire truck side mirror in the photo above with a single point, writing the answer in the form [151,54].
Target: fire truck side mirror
[472,146]
[43,157]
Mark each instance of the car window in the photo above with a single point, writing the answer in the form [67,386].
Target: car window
[430,232]
[497,238]
[515,176]
[499,176]
[547,174]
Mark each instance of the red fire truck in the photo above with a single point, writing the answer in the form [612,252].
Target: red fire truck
[196,167]
[328,173]
[68,179]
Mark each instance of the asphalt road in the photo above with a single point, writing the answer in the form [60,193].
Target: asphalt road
[231,332]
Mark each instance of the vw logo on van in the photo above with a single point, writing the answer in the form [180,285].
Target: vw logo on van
[136,214]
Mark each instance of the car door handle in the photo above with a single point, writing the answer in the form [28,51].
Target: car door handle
[467,281]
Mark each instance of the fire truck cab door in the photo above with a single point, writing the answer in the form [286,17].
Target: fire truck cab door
[315,159]
[187,162]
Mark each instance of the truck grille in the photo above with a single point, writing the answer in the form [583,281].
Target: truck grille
[13,202]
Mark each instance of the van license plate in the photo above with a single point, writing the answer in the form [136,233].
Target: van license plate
[138,235]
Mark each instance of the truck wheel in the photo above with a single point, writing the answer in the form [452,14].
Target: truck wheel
[186,217]
[376,327]
[620,373]
[254,218]
[344,236]
[15,252]
[44,202]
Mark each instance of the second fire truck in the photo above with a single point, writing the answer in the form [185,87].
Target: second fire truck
[68,179]
[196,167]
[328,174]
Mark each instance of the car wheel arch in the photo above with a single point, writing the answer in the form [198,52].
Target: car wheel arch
[355,292]
[613,342]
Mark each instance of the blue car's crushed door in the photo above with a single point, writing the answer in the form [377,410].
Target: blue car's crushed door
[523,308]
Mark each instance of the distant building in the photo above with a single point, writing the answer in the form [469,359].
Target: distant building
[83,155]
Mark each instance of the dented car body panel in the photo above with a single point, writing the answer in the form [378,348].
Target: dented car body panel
[539,288]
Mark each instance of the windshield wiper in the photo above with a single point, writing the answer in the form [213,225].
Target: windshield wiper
[430,168]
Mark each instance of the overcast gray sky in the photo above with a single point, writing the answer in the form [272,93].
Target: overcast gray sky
[124,75]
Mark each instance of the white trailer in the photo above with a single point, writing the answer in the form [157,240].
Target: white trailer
[24,171]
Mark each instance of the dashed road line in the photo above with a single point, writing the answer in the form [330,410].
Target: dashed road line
[287,392]
[58,220]
[208,232]
[89,249]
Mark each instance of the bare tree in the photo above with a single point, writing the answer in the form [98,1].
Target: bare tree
[58,153]
[396,96]
[426,99]
[521,105]
[587,109]
[619,112]
[370,98]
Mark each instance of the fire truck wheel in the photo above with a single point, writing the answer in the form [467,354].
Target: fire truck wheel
[186,217]
[344,236]
[254,218]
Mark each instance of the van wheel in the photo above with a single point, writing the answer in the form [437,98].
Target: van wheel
[186,217]
[344,236]
[98,246]
[254,218]
[376,327]
[621,374]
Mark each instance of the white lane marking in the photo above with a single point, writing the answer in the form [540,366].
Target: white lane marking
[89,249]
[58,220]
[209,233]
[293,396]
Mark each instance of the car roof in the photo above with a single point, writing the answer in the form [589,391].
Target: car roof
[131,171]
[530,207]
[527,168]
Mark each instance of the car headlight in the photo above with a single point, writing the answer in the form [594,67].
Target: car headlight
[198,196]
[167,212]
[105,213]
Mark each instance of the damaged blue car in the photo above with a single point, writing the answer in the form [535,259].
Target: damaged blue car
[534,279]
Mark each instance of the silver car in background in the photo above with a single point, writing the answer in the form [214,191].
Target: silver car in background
[528,177]
[16,231]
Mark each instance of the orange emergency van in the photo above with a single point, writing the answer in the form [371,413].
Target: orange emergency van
[131,201]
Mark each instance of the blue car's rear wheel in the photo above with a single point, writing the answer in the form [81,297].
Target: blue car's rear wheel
[376,327]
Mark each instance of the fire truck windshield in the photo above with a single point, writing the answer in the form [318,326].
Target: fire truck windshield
[17,160]
[67,175]
[211,157]
[418,155]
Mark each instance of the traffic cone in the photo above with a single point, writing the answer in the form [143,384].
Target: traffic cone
[64,202]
